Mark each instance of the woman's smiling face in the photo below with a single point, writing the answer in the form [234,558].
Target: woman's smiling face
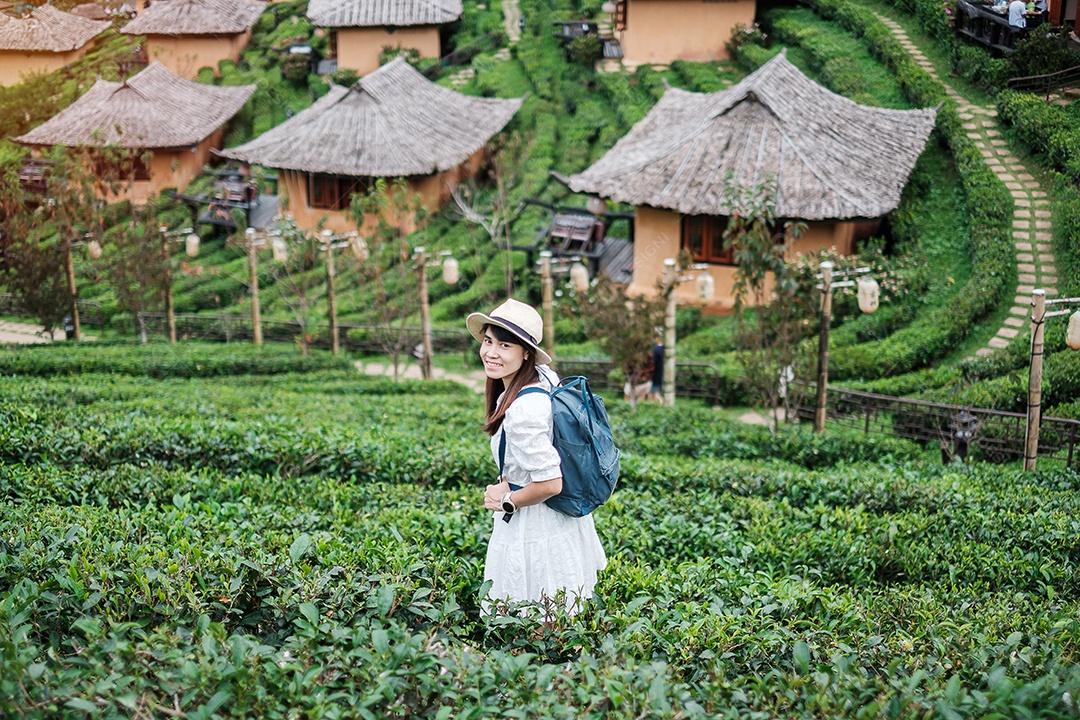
[501,359]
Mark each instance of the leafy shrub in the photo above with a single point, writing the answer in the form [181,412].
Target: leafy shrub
[585,50]
[392,52]
[184,360]
[742,34]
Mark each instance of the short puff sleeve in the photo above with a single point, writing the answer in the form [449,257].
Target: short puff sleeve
[529,452]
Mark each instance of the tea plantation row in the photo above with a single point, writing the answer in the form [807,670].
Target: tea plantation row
[307,545]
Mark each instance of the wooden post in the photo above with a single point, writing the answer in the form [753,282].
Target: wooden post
[253,283]
[548,290]
[671,280]
[425,313]
[73,292]
[169,313]
[1034,408]
[331,296]
[823,346]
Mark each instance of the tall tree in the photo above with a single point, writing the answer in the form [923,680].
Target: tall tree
[296,276]
[768,340]
[43,229]
[391,211]
[622,326]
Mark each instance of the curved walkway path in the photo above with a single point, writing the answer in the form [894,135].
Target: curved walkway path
[411,371]
[26,334]
[1032,232]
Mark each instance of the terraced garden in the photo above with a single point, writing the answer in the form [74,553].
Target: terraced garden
[226,531]
[311,544]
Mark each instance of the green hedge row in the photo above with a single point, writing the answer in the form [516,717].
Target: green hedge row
[398,449]
[161,360]
[1049,131]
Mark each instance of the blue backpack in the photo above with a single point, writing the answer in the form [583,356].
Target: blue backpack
[590,460]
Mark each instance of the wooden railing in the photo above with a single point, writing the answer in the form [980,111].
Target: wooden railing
[465,53]
[1046,84]
[357,337]
[692,379]
[90,312]
[998,435]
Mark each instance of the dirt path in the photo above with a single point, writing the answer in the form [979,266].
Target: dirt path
[411,371]
[25,334]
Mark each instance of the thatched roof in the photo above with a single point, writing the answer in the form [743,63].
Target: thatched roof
[48,30]
[154,109]
[830,157]
[377,13]
[90,10]
[394,122]
[196,17]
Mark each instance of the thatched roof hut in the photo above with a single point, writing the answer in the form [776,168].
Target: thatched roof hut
[382,13]
[153,109]
[47,29]
[196,17]
[830,157]
[393,122]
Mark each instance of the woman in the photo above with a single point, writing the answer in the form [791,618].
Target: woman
[536,554]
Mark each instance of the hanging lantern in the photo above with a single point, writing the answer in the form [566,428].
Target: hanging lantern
[579,277]
[281,251]
[359,248]
[191,245]
[450,271]
[868,294]
[596,205]
[1072,335]
[93,249]
[706,287]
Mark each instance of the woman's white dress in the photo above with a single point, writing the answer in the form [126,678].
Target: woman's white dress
[541,554]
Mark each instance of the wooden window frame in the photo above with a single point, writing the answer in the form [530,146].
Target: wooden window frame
[710,249]
[138,171]
[334,192]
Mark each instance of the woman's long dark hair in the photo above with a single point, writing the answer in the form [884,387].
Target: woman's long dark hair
[526,375]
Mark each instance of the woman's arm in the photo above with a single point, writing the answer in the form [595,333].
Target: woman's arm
[532,494]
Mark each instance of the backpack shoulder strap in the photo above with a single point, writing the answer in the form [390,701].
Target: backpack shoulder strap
[502,430]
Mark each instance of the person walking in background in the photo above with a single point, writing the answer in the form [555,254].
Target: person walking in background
[536,554]
[656,388]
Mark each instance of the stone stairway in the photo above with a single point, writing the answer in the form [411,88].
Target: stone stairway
[1031,227]
[511,14]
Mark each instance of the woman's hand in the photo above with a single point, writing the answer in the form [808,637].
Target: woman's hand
[493,495]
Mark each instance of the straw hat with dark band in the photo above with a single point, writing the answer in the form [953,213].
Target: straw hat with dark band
[517,317]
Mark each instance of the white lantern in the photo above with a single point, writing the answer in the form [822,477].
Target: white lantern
[579,277]
[706,287]
[596,205]
[191,245]
[450,271]
[359,248]
[608,7]
[868,294]
[93,249]
[1072,335]
[281,251]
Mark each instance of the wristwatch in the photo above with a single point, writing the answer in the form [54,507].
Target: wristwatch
[508,505]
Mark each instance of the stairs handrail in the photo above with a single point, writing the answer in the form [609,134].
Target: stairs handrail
[1045,83]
